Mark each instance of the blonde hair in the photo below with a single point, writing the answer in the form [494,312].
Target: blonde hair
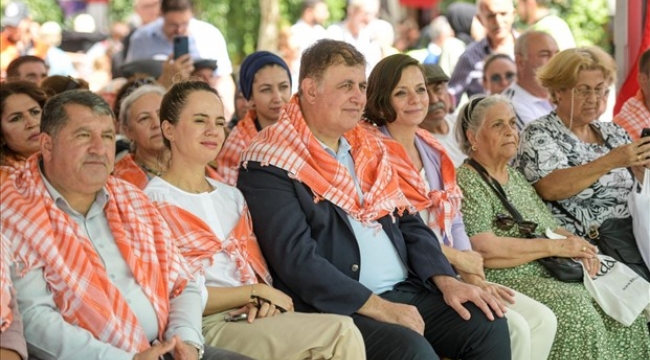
[561,72]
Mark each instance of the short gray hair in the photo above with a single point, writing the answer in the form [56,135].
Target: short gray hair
[55,116]
[472,115]
[127,102]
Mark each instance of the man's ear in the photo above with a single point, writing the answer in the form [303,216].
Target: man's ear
[47,144]
[309,88]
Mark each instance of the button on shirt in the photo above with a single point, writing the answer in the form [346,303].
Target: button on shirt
[381,266]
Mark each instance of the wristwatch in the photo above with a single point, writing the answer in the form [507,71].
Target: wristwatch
[198,347]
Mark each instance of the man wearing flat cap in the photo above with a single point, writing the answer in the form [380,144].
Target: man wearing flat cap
[439,122]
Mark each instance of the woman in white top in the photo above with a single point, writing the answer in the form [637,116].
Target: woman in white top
[212,228]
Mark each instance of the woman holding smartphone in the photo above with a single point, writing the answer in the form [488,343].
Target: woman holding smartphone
[213,230]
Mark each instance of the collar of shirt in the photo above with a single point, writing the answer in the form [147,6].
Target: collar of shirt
[101,199]
[344,149]
[344,157]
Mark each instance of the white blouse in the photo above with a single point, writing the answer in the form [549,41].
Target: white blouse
[220,209]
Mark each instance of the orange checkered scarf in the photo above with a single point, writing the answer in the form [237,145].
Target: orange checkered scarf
[9,164]
[46,236]
[291,146]
[5,284]
[197,242]
[443,205]
[229,157]
[634,116]
[127,170]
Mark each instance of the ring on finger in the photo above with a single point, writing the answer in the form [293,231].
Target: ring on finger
[584,248]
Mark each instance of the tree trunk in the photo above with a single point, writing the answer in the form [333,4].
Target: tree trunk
[269,20]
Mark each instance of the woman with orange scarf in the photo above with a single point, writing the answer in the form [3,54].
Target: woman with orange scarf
[397,103]
[265,81]
[12,341]
[22,104]
[212,224]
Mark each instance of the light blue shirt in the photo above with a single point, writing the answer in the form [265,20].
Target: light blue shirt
[380,266]
[205,42]
[49,336]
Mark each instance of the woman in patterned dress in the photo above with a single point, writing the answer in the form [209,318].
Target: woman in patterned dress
[487,132]
[570,157]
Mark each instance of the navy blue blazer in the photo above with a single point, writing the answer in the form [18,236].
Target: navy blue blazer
[311,249]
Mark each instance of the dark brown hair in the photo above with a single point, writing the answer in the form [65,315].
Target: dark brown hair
[15,88]
[57,84]
[12,68]
[382,81]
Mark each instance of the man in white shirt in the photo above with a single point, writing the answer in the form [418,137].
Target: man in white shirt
[530,99]
[439,122]
[354,30]
[309,28]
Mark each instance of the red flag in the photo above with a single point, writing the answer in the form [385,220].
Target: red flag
[631,84]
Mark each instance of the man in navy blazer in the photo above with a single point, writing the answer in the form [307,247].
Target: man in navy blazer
[306,185]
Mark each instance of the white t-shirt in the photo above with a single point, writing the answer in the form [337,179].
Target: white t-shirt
[450,144]
[220,209]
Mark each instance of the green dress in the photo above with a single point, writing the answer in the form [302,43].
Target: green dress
[584,330]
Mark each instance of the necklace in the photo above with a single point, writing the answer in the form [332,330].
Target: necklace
[149,170]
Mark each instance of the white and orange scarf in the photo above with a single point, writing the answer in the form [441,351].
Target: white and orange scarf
[443,205]
[229,157]
[291,146]
[6,315]
[46,236]
[197,242]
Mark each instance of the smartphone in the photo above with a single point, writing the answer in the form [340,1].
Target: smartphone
[645,132]
[181,46]
[234,318]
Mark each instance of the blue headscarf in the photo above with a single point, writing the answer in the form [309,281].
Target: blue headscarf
[252,64]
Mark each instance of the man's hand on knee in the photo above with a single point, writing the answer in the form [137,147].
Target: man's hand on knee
[394,313]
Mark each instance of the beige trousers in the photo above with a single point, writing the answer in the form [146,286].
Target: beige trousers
[288,336]
[532,328]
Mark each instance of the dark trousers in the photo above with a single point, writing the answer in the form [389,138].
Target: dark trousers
[445,331]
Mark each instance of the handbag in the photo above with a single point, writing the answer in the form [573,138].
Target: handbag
[615,238]
[620,292]
[639,205]
[563,269]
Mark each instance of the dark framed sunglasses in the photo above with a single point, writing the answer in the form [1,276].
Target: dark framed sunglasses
[506,222]
[497,78]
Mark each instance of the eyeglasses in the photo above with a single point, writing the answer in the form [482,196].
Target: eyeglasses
[506,222]
[497,78]
[583,93]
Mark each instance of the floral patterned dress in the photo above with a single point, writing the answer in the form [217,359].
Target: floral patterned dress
[584,330]
[547,145]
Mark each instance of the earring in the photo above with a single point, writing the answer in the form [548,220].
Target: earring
[473,148]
